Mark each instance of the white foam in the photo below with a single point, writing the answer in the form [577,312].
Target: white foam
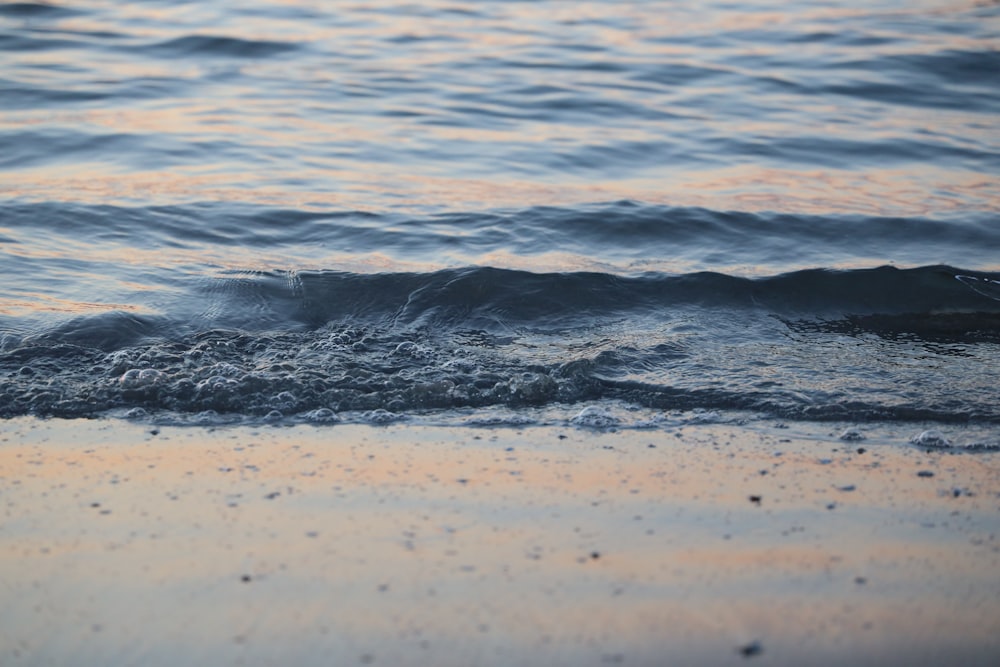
[931,438]
[594,416]
[140,378]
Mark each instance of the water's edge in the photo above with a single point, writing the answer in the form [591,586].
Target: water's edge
[865,345]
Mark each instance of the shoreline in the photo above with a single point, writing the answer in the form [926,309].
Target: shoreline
[405,544]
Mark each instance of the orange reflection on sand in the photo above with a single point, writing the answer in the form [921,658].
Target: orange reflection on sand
[307,538]
[439,468]
[789,559]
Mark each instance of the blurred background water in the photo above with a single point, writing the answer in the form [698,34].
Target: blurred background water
[371,210]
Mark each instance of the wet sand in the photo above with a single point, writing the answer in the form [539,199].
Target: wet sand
[127,544]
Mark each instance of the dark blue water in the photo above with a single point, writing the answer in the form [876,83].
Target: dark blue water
[501,212]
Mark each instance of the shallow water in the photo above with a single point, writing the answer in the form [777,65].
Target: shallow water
[500,211]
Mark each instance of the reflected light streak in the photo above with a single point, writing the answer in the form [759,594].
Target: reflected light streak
[45,303]
[749,188]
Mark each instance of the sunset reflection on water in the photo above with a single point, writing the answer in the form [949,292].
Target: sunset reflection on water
[373,109]
[750,189]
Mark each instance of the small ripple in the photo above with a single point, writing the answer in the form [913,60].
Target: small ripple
[213,45]
[35,10]
[25,42]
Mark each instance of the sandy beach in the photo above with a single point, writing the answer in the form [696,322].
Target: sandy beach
[131,544]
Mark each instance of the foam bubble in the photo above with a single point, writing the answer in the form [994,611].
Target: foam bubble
[224,369]
[285,400]
[140,378]
[119,361]
[655,421]
[851,434]
[382,416]
[705,417]
[217,383]
[982,446]
[321,416]
[459,365]
[513,419]
[409,349]
[594,416]
[532,388]
[931,438]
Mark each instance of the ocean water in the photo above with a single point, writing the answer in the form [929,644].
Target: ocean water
[605,213]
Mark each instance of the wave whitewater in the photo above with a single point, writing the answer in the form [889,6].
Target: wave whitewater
[884,343]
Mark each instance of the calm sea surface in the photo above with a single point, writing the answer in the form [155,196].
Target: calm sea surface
[607,213]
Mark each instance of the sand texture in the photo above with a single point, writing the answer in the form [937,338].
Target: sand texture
[129,544]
